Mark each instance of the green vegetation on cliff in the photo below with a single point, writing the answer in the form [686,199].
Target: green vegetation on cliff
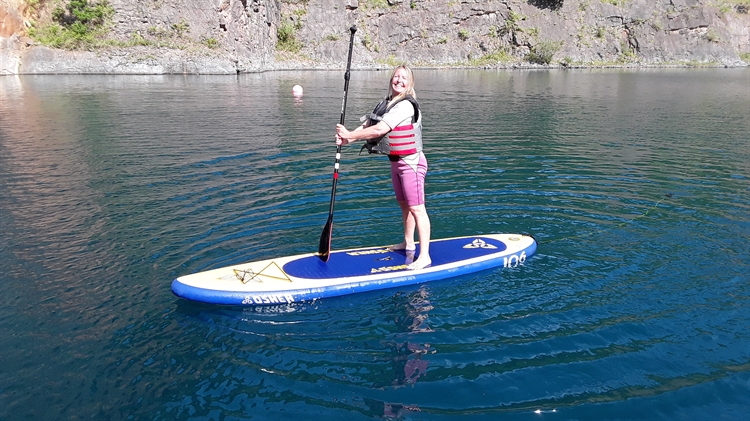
[738,6]
[79,24]
[87,25]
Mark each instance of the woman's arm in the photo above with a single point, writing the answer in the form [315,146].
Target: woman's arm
[344,136]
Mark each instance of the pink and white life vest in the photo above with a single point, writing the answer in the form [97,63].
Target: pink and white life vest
[405,139]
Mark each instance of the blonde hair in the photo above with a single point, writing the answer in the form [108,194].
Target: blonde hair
[408,91]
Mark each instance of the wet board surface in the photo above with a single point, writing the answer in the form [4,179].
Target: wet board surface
[305,277]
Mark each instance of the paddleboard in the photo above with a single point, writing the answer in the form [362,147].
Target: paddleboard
[305,277]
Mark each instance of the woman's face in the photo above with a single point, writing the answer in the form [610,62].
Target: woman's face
[400,81]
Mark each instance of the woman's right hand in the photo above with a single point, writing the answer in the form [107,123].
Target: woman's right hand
[341,135]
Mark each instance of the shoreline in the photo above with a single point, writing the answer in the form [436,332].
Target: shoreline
[17,57]
[379,68]
[279,67]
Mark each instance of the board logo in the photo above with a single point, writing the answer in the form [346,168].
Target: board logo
[479,244]
[268,299]
[387,269]
[367,252]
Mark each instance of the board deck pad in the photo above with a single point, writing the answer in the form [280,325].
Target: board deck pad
[306,277]
[367,261]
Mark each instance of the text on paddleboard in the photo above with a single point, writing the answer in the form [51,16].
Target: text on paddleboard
[366,252]
[513,260]
[268,299]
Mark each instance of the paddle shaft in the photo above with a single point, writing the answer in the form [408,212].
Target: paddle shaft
[324,248]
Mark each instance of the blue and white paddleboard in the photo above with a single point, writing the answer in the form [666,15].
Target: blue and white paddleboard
[305,277]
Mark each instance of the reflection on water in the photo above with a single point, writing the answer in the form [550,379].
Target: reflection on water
[635,183]
[408,362]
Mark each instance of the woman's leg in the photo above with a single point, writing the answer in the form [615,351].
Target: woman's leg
[409,226]
[408,184]
[422,221]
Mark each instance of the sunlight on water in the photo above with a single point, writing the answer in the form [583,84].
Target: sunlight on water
[635,184]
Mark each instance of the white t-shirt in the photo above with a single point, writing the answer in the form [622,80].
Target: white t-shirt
[401,113]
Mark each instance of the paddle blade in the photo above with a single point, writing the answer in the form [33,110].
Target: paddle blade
[324,248]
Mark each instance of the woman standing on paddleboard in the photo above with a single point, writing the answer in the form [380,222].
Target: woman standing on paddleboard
[394,128]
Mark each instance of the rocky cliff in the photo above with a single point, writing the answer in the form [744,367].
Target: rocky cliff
[235,36]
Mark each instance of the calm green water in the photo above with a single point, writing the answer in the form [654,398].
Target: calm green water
[636,305]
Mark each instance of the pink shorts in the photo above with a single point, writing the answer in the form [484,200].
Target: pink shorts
[408,183]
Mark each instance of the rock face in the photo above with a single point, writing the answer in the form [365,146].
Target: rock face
[234,36]
[11,18]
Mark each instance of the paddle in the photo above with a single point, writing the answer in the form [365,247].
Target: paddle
[324,248]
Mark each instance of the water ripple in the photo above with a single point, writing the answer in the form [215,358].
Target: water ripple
[633,305]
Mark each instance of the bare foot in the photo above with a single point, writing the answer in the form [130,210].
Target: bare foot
[402,246]
[421,263]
